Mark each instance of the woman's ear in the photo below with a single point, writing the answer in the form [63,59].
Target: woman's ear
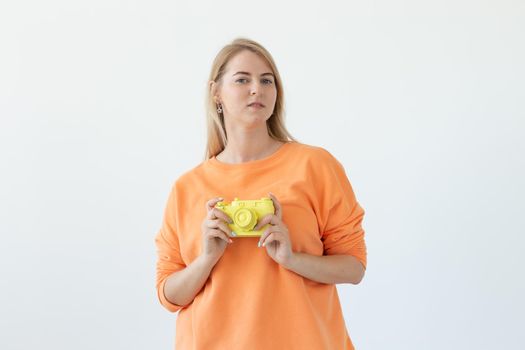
[213,91]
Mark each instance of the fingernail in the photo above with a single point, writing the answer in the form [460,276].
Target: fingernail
[233,234]
[231,241]
[259,244]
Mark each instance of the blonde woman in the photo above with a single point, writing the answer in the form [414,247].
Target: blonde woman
[276,291]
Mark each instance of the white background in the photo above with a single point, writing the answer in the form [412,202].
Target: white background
[102,108]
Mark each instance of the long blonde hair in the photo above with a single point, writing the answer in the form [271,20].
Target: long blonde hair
[217,137]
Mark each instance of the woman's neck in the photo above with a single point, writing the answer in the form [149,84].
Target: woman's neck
[245,149]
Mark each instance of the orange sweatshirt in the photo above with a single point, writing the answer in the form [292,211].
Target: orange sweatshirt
[249,301]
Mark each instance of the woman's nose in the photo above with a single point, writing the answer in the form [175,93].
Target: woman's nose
[254,88]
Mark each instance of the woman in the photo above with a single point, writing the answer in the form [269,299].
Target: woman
[273,292]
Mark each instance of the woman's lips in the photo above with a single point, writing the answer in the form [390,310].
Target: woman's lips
[256,105]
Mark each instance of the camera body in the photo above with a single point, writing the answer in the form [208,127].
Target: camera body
[245,215]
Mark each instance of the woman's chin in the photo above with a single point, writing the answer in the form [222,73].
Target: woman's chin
[252,119]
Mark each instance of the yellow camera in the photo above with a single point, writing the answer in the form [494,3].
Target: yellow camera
[245,215]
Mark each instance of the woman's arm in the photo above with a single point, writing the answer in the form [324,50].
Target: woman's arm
[182,286]
[330,269]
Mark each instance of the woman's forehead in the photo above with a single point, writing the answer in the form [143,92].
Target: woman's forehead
[248,62]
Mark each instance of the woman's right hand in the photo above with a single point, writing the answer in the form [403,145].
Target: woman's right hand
[215,231]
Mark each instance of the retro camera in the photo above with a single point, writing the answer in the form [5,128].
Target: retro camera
[245,215]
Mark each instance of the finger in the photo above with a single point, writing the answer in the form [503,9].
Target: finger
[279,231]
[265,234]
[261,223]
[210,215]
[216,213]
[277,205]
[219,234]
[211,203]
[274,236]
[268,219]
[224,228]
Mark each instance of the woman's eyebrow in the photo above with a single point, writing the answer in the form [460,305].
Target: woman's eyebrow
[268,73]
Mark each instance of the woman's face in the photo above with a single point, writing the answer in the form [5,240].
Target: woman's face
[248,79]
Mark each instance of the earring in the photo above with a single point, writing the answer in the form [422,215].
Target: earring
[219,109]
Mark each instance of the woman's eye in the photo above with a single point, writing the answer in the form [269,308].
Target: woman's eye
[267,81]
[238,80]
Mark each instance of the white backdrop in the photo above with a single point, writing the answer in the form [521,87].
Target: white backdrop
[102,108]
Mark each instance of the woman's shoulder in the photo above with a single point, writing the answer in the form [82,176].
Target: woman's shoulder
[314,152]
[189,176]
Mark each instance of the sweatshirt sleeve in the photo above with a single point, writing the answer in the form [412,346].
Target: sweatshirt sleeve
[169,258]
[341,214]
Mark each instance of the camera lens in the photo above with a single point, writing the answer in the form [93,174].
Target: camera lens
[245,219]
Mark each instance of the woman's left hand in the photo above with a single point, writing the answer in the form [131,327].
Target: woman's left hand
[275,238]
